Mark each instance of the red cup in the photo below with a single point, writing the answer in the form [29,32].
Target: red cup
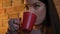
[28,21]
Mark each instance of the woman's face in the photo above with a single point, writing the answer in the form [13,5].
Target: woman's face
[38,8]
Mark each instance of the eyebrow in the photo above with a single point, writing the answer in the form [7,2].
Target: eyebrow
[32,3]
[36,3]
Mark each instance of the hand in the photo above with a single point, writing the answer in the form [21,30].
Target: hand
[14,25]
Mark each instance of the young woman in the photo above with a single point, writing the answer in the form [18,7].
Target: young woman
[39,12]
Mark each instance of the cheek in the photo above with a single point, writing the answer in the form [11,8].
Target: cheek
[41,13]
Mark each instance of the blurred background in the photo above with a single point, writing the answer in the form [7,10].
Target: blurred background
[57,4]
[10,10]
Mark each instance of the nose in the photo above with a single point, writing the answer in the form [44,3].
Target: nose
[26,7]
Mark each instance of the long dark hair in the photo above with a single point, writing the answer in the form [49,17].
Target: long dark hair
[51,22]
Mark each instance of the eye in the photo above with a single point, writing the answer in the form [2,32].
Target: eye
[36,6]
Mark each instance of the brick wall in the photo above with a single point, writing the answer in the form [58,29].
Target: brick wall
[11,10]
[57,3]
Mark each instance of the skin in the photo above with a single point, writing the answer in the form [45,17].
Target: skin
[38,8]
[13,26]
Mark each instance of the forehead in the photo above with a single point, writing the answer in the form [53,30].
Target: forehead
[31,1]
